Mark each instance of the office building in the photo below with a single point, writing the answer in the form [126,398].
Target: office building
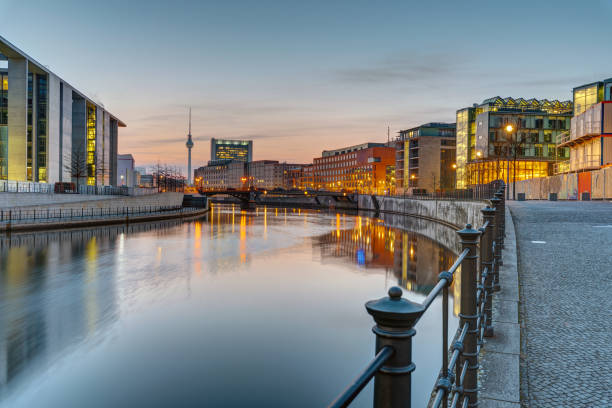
[260,174]
[426,158]
[49,130]
[496,135]
[238,150]
[367,168]
[590,137]
[125,170]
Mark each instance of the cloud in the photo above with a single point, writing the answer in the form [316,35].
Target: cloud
[414,67]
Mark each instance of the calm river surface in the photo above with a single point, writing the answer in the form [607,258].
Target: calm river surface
[237,309]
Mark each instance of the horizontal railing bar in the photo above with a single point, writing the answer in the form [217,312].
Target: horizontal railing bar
[439,397]
[458,261]
[443,282]
[455,400]
[362,380]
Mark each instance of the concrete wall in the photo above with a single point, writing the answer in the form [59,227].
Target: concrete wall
[78,201]
[455,213]
[17,118]
[53,129]
[66,134]
[566,186]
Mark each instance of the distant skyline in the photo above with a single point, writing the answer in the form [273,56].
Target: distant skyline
[301,77]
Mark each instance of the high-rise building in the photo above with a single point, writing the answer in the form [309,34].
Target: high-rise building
[426,158]
[510,139]
[49,130]
[239,150]
[590,136]
[367,168]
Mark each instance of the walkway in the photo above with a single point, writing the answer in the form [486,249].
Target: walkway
[565,277]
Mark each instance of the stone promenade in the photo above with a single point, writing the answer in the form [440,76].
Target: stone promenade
[565,279]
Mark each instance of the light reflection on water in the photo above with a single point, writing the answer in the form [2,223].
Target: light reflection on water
[238,308]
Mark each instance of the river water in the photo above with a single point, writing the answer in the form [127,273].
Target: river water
[236,309]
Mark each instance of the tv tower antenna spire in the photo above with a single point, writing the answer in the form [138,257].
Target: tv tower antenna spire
[189,145]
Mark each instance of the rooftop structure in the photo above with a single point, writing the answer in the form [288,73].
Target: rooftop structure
[344,150]
[239,150]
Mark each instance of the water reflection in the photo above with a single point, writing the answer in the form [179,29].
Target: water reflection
[85,313]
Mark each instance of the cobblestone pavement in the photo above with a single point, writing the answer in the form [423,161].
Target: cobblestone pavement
[566,302]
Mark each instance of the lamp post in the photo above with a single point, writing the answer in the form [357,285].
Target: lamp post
[478,158]
[514,143]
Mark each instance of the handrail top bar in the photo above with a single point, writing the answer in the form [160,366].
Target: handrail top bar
[443,281]
[362,379]
[458,261]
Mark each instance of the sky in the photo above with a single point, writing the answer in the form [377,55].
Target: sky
[299,77]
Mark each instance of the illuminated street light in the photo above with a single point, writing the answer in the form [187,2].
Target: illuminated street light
[478,154]
[509,128]
[454,166]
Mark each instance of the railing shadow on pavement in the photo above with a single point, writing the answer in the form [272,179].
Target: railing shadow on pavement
[396,317]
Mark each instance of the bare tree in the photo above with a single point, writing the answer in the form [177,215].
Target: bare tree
[76,164]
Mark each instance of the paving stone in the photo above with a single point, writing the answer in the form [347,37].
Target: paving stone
[499,376]
[566,307]
[505,311]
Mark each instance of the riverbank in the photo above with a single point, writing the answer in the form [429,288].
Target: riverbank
[101,220]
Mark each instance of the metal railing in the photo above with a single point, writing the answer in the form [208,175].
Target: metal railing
[395,317]
[53,215]
[8,186]
[477,192]
[25,187]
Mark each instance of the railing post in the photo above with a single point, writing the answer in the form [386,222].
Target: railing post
[497,236]
[501,221]
[395,319]
[469,313]
[486,262]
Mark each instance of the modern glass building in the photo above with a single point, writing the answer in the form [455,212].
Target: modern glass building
[49,131]
[590,136]
[510,139]
[238,150]
[426,158]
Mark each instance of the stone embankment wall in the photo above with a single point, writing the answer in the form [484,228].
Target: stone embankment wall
[568,186]
[450,212]
[28,201]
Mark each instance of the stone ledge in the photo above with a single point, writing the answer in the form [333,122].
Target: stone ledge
[499,377]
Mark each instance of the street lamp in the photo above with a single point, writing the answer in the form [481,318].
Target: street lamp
[514,143]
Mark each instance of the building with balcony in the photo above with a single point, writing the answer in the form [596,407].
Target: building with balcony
[508,139]
[426,158]
[590,137]
[237,150]
[367,168]
[50,131]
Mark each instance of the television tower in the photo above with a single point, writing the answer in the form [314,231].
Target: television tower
[189,145]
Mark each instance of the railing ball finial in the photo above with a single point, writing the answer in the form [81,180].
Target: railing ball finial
[395,293]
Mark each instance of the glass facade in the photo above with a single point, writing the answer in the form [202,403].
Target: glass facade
[41,127]
[3,126]
[29,141]
[91,145]
[483,172]
[464,118]
[587,96]
[484,145]
[239,150]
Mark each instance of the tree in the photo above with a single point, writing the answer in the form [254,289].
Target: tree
[76,164]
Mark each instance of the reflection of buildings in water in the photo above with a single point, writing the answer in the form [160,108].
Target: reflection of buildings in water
[46,303]
[415,260]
